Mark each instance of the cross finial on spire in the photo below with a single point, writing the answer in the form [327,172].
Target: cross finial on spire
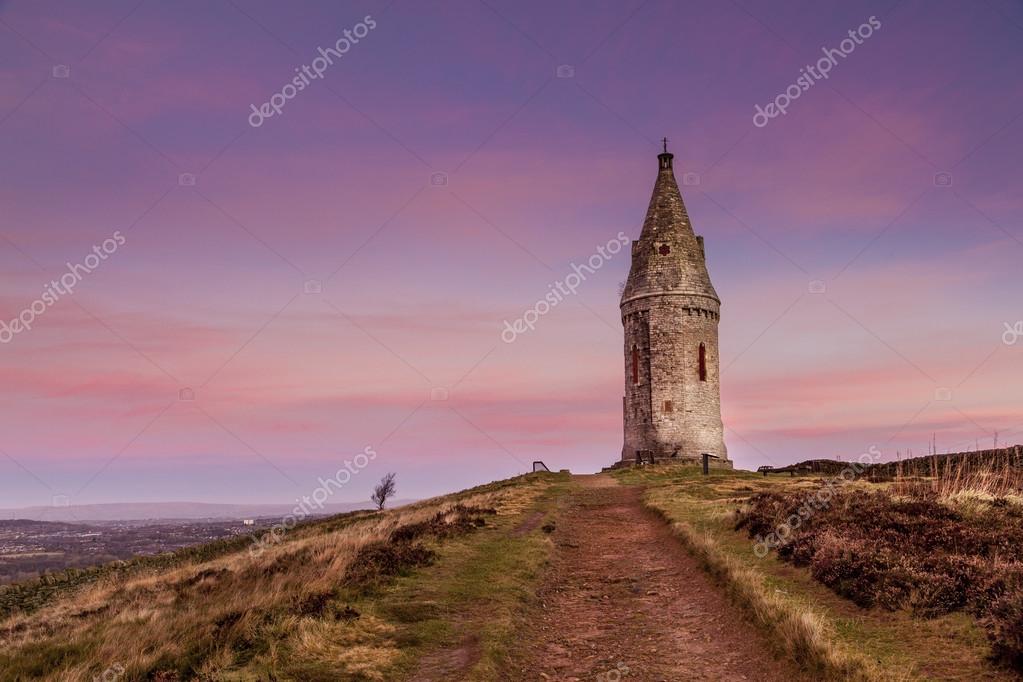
[665,157]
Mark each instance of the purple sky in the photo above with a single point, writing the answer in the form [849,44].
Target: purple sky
[921,270]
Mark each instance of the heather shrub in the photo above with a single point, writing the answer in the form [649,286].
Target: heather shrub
[985,591]
[851,568]
[402,550]
[1004,623]
[940,584]
[917,553]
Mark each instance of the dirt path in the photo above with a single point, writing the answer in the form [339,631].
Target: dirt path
[624,601]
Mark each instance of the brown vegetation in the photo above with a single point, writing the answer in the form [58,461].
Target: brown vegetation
[927,553]
[403,549]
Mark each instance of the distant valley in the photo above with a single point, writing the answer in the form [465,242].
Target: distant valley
[39,540]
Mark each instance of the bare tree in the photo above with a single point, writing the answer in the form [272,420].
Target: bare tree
[384,490]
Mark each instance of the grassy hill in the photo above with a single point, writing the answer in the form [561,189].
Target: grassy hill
[333,600]
[446,589]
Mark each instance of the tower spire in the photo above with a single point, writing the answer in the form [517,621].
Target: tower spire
[664,140]
[668,256]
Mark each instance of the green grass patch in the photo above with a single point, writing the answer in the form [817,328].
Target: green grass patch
[475,595]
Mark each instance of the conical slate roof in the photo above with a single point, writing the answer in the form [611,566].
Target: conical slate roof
[668,257]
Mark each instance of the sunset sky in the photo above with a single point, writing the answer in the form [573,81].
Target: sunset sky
[435,182]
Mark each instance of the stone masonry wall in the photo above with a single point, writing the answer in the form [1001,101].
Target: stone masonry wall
[670,411]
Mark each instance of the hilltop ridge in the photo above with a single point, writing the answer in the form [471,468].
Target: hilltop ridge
[644,573]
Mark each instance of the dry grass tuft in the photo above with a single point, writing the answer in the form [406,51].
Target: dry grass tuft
[965,482]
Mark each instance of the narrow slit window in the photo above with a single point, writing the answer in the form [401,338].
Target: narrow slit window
[668,407]
[635,365]
[703,362]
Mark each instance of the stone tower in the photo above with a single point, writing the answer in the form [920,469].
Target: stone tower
[670,311]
